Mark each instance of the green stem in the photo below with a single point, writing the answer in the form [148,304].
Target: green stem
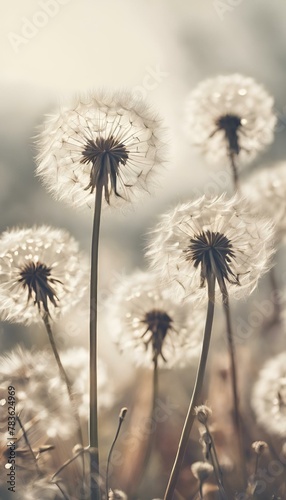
[196,392]
[231,349]
[93,424]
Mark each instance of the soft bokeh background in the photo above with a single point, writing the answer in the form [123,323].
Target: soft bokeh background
[159,48]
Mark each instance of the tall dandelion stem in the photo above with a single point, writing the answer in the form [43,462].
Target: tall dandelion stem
[231,348]
[93,425]
[196,392]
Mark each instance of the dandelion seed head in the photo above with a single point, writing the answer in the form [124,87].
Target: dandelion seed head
[33,375]
[266,191]
[108,140]
[269,396]
[41,271]
[218,235]
[151,326]
[230,115]
[76,364]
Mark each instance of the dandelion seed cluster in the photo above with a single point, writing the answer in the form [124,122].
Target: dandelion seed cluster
[42,394]
[266,191]
[186,247]
[41,270]
[269,396]
[152,327]
[108,139]
[230,115]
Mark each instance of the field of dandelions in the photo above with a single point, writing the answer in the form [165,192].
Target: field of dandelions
[202,413]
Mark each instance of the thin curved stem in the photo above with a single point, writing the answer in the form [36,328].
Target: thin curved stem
[29,445]
[93,423]
[231,349]
[196,392]
[121,419]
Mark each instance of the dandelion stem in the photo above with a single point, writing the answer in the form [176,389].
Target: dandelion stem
[216,465]
[93,424]
[275,291]
[154,399]
[29,445]
[65,379]
[234,171]
[196,392]
[69,461]
[121,419]
[231,348]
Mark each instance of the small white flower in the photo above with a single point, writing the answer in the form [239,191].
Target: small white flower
[266,191]
[228,116]
[216,235]
[151,326]
[269,396]
[109,139]
[41,270]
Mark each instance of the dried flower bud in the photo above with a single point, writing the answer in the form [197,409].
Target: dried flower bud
[203,413]
[201,470]
[259,447]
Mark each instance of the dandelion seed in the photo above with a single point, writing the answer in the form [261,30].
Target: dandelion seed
[228,116]
[266,191]
[41,271]
[269,396]
[216,235]
[151,326]
[110,140]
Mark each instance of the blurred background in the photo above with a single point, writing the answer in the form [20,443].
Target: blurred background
[54,49]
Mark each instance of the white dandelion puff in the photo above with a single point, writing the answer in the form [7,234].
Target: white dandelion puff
[216,235]
[40,392]
[266,191]
[230,116]
[41,271]
[111,140]
[152,327]
[75,362]
[269,396]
